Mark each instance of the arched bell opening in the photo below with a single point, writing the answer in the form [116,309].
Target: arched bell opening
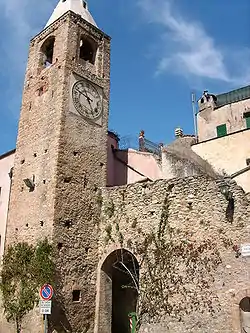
[47,51]
[245,314]
[88,49]
[119,289]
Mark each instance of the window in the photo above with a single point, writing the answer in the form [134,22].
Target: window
[47,51]
[87,50]
[248,122]
[221,130]
[246,115]
[76,295]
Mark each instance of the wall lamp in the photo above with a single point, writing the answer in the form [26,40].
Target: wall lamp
[30,183]
[225,190]
[190,200]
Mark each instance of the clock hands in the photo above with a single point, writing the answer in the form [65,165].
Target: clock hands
[91,109]
[89,99]
[85,95]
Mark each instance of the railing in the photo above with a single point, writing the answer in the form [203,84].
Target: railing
[149,146]
[145,145]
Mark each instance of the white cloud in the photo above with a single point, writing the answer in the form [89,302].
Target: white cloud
[20,20]
[188,50]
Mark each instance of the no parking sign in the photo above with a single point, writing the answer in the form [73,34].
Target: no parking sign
[46,292]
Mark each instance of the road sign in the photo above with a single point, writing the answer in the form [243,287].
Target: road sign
[245,250]
[46,292]
[45,307]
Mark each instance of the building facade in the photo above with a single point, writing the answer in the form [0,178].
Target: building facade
[223,132]
[157,233]
[6,165]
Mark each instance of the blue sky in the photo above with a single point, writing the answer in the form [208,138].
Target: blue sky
[162,50]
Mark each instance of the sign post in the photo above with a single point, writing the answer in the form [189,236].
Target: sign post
[46,294]
[132,321]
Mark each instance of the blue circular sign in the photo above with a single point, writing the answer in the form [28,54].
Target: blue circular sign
[46,292]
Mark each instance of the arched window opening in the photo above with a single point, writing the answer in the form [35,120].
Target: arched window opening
[87,50]
[47,50]
[245,314]
[119,291]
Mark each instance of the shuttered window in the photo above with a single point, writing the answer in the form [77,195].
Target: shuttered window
[221,130]
[248,122]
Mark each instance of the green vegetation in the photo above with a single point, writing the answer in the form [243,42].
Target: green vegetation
[25,269]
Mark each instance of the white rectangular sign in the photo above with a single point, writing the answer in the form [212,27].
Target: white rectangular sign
[45,307]
[245,250]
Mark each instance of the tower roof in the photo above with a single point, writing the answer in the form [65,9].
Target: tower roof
[77,6]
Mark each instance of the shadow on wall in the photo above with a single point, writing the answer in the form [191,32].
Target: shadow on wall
[117,171]
[121,168]
[58,322]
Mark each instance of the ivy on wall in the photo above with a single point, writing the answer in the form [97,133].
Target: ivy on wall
[177,273]
[25,268]
[176,270]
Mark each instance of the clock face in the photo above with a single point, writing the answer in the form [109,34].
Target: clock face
[87,100]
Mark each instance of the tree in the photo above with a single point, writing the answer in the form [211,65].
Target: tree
[25,269]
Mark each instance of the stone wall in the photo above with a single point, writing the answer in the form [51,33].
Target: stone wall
[81,170]
[184,234]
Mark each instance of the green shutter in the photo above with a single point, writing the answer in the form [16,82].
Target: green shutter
[248,122]
[221,130]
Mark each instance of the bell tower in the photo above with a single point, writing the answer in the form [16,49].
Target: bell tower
[61,157]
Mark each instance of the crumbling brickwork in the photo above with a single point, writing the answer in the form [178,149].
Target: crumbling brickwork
[185,234]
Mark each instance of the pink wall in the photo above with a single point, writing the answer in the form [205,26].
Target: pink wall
[141,165]
[145,163]
[6,163]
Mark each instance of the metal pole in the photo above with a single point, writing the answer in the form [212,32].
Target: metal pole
[194,114]
[45,323]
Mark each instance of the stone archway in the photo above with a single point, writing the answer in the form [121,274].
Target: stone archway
[245,314]
[119,287]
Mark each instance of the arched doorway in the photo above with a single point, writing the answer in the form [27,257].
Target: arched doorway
[119,288]
[245,314]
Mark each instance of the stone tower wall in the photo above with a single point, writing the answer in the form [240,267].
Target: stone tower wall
[31,214]
[82,169]
[68,157]
[38,142]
